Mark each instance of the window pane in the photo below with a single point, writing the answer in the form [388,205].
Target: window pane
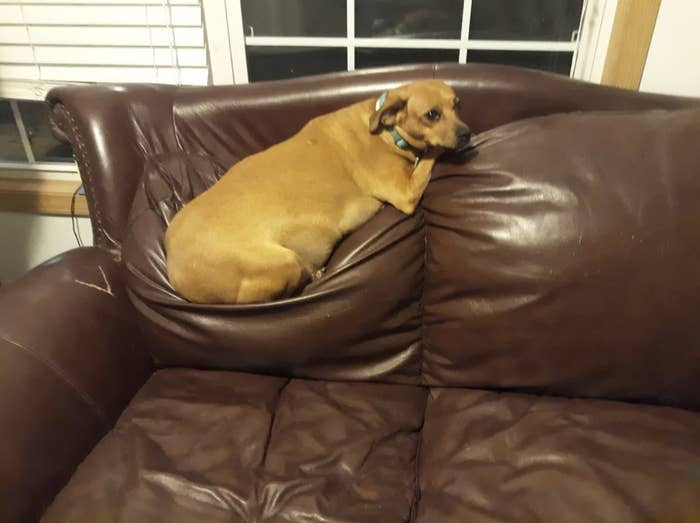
[408,18]
[274,63]
[294,17]
[373,57]
[524,19]
[557,62]
[46,148]
[10,142]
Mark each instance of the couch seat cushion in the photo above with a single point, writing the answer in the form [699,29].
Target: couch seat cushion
[211,446]
[221,446]
[512,458]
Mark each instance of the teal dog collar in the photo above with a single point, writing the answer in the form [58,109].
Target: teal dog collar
[399,141]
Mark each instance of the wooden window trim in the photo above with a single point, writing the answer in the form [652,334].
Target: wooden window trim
[41,196]
[632,31]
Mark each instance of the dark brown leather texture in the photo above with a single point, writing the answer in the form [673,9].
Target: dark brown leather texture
[227,447]
[361,321]
[542,275]
[223,446]
[113,129]
[563,259]
[523,349]
[70,361]
[488,457]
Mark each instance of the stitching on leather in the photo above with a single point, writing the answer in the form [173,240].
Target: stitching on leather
[86,168]
[176,132]
[272,421]
[52,366]
[421,300]
[413,514]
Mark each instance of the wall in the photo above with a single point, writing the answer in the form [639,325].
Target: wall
[673,62]
[26,240]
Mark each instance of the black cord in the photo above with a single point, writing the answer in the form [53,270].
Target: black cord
[74,219]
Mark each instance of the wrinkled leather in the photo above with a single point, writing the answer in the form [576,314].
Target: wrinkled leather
[557,260]
[563,259]
[505,458]
[69,363]
[360,321]
[560,248]
[112,129]
[115,129]
[229,447]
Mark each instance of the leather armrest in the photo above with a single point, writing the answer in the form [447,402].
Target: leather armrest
[70,360]
[113,130]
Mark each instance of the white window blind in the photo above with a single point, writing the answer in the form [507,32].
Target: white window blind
[49,42]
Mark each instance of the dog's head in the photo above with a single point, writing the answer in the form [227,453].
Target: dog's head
[424,113]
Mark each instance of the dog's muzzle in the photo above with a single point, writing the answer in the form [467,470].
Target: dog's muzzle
[464,134]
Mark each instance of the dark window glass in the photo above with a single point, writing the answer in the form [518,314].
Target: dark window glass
[294,17]
[556,62]
[275,63]
[11,148]
[379,57]
[46,148]
[524,19]
[408,18]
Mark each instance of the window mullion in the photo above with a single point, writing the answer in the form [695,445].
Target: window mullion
[22,131]
[464,33]
[350,7]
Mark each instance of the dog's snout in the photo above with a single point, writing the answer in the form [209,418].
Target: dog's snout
[464,134]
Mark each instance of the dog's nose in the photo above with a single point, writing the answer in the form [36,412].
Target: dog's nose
[463,134]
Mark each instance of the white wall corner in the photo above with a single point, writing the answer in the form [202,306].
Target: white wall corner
[673,62]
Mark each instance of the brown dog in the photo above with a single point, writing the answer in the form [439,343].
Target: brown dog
[271,222]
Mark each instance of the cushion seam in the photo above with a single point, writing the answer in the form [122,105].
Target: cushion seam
[63,377]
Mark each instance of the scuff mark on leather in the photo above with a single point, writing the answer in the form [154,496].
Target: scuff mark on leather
[107,289]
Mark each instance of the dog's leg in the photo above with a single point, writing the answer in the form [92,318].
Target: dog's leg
[410,191]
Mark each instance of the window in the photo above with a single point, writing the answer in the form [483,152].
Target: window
[286,38]
[26,138]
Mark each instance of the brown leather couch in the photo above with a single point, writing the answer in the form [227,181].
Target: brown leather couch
[524,348]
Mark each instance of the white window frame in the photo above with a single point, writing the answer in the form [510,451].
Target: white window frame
[229,62]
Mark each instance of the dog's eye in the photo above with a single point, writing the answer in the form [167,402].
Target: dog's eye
[457,104]
[433,115]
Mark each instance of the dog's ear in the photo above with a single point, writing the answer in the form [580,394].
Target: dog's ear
[386,108]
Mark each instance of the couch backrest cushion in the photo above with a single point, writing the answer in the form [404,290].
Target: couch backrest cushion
[231,123]
[563,258]
[360,321]
[560,257]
